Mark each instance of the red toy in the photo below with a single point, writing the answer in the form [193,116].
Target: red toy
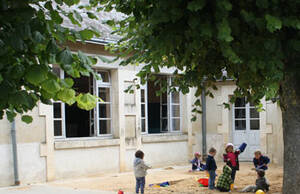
[120,192]
[203,182]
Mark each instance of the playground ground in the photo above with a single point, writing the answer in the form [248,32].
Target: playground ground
[182,181]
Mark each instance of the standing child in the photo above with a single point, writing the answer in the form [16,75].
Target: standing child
[261,183]
[140,171]
[225,181]
[196,163]
[211,167]
[232,157]
[260,161]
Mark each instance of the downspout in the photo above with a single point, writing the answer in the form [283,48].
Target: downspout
[15,152]
[203,102]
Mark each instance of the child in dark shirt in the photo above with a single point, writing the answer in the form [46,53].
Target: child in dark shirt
[211,167]
[261,183]
[260,161]
[196,163]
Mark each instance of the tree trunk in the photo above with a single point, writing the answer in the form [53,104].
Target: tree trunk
[290,105]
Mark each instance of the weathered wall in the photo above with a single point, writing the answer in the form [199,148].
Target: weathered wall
[86,161]
[275,139]
[29,136]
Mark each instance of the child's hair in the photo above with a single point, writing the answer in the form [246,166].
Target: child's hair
[257,152]
[227,146]
[197,154]
[212,150]
[261,173]
[139,154]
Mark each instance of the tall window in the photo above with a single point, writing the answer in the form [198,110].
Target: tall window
[246,117]
[163,111]
[144,109]
[104,106]
[70,121]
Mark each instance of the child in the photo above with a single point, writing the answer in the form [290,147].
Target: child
[140,171]
[211,167]
[261,183]
[196,163]
[225,180]
[260,161]
[232,157]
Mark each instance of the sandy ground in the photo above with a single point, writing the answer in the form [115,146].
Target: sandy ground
[181,180]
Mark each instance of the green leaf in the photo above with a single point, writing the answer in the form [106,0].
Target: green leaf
[196,5]
[262,4]
[224,31]
[65,57]
[67,82]
[10,115]
[87,34]
[1,78]
[86,101]
[73,20]
[36,74]
[273,23]
[51,86]
[27,119]
[78,16]
[56,17]
[67,95]
[92,15]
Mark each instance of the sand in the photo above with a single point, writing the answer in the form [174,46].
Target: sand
[181,180]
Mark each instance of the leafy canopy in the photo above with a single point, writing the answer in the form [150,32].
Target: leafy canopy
[32,37]
[256,42]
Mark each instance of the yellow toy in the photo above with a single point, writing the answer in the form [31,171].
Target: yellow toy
[260,192]
[207,174]
[231,186]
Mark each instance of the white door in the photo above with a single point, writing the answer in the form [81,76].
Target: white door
[246,128]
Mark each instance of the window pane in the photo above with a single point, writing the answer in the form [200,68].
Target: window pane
[105,126]
[143,125]
[164,112]
[240,113]
[164,98]
[176,111]
[240,102]
[164,123]
[57,128]
[104,76]
[254,113]
[104,94]
[254,124]
[143,110]
[57,110]
[104,110]
[142,96]
[175,97]
[240,125]
[176,124]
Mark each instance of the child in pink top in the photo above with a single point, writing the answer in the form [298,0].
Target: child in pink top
[232,157]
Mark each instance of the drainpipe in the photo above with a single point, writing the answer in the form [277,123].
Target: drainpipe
[203,102]
[15,153]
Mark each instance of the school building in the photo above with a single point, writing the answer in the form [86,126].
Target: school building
[64,141]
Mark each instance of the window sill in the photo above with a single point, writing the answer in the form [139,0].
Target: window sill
[164,137]
[85,143]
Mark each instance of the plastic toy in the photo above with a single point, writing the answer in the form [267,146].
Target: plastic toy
[120,192]
[203,182]
[164,184]
[231,186]
[260,192]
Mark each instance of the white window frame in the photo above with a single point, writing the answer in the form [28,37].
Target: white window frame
[100,84]
[170,110]
[96,85]
[62,106]
[145,103]
[247,118]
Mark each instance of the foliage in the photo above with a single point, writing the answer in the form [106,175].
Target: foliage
[32,37]
[256,42]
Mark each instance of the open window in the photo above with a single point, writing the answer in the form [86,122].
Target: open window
[73,122]
[163,111]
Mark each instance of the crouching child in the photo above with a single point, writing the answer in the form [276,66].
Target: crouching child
[225,181]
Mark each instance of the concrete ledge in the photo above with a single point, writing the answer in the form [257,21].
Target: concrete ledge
[165,137]
[85,143]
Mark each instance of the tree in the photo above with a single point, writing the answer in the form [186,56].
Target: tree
[32,37]
[256,42]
